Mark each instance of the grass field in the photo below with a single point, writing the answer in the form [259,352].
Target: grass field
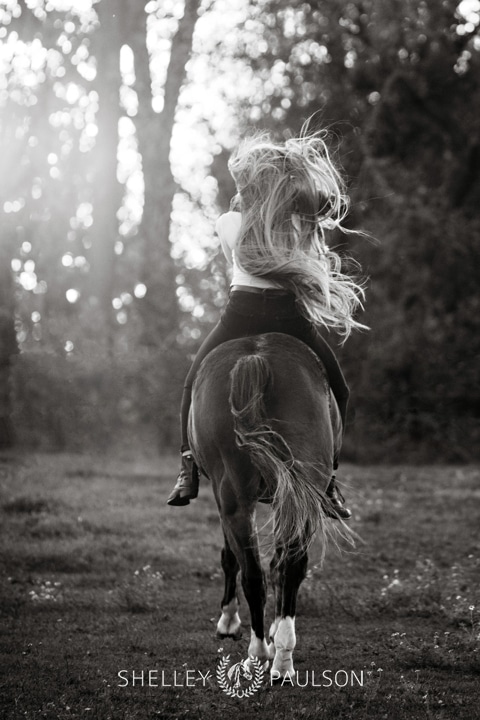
[100,576]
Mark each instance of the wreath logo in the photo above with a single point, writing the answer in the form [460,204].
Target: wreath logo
[231,681]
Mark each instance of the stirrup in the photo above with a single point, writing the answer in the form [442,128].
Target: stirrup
[186,486]
[333,506]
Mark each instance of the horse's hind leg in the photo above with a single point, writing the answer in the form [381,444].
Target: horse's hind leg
[288,572]
[239,528]
[229,623]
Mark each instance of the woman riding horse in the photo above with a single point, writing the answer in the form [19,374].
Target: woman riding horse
[285,277]
[264,425]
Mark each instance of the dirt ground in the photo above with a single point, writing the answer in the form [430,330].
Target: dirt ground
[109,599]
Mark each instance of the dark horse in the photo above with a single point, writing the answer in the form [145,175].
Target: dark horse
[264,426]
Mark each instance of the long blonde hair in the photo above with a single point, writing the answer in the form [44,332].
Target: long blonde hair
[289,195]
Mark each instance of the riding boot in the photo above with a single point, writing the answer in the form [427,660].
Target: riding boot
[186,487]
[334,508]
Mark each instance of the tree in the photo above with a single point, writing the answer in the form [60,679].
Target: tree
[8,344]
[82,85]
[62,180]
[399,81]
[107,192]
[154,137]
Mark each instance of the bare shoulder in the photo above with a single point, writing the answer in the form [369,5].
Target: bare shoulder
[229,222]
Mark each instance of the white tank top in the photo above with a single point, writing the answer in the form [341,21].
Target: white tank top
[227,228]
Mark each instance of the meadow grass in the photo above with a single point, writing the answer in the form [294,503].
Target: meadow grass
[98,575]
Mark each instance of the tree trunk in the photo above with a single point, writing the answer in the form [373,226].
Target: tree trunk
[11,181]
[160,310]
[8,345]
[107,189]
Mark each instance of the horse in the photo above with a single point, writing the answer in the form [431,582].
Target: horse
[264,426]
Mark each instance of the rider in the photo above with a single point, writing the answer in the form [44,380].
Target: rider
[284,276]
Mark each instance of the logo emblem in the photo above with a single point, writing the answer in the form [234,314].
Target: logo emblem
[232,681]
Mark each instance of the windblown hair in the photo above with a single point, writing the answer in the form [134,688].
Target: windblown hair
[289,195]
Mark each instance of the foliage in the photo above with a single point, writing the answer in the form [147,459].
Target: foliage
[399,81]
[110,237]
[92,403]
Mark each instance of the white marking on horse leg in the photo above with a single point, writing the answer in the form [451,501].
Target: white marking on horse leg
[285,641]
[229,623]
[271,635]
[258,649]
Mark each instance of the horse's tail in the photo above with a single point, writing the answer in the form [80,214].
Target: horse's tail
[296,486]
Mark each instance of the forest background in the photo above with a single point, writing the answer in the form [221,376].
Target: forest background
[116,123]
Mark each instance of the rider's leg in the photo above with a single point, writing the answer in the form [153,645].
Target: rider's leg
[186,486]
[335,375]
[335,507]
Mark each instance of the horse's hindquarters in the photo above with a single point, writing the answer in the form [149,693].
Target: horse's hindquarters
[261,416]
